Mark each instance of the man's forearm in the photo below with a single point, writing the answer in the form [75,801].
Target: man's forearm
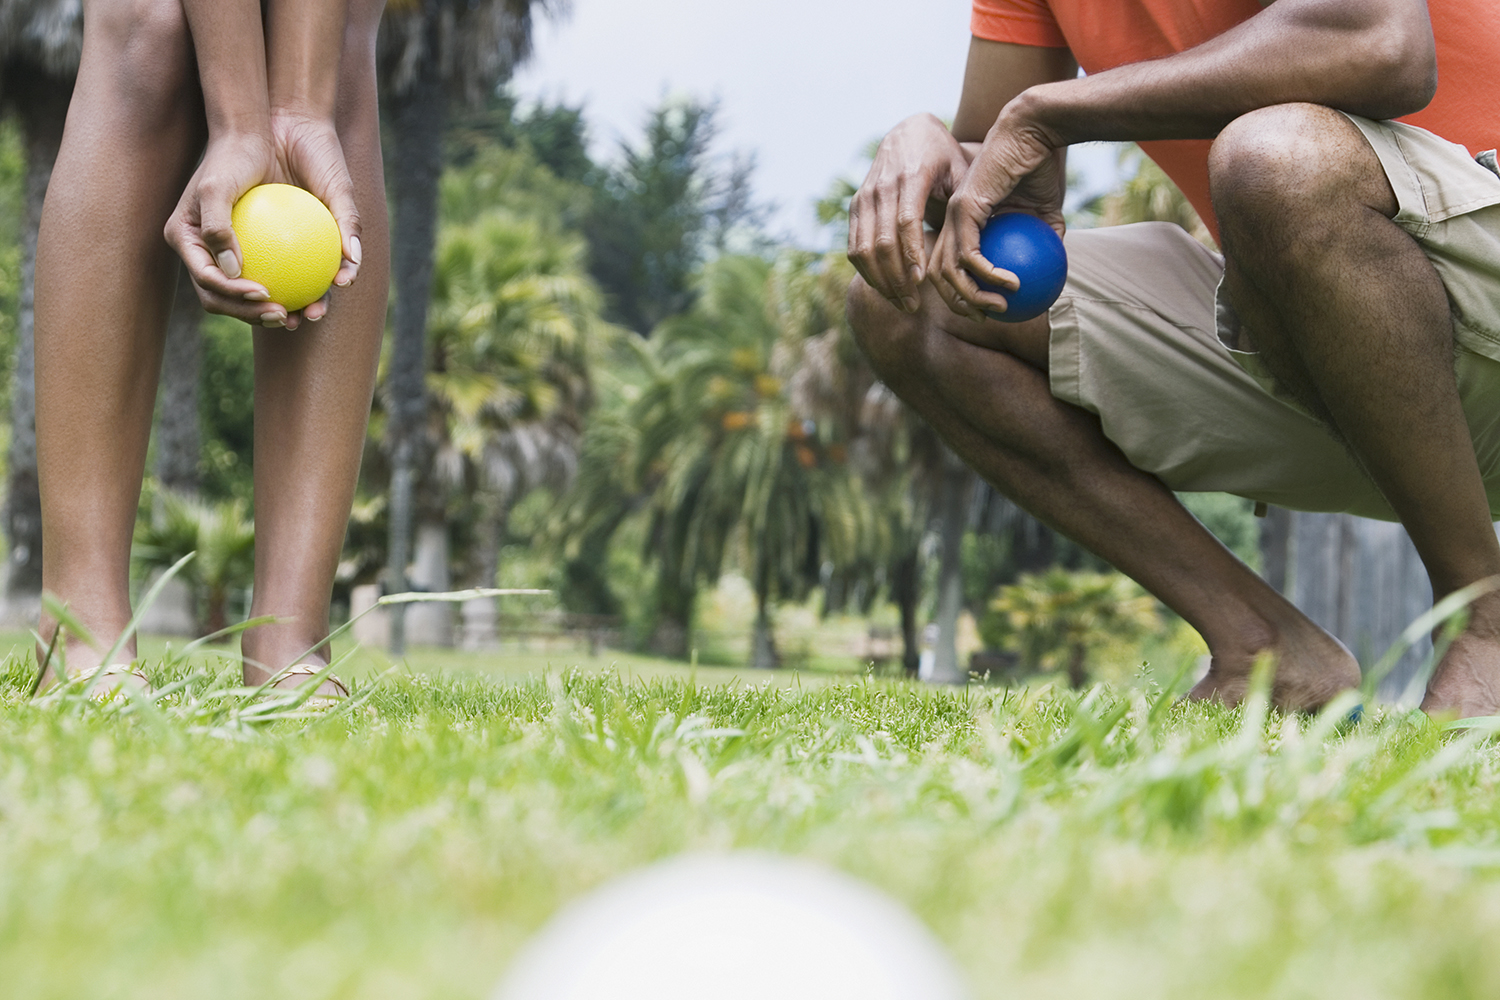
[305,39]
[1369,57]
[231,55]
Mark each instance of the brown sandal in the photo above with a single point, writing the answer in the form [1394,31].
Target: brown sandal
[340,692]
[100,688]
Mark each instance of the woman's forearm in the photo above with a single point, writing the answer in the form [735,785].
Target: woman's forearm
[231,51]
[304,39]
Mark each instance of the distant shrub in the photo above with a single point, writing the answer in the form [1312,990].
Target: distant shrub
[1053,620]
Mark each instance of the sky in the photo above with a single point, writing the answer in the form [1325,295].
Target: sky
[805,85]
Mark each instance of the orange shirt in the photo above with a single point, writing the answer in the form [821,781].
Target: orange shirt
[1103,34]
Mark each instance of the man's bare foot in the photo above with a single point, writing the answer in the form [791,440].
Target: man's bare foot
[1312,668]
[1466,683]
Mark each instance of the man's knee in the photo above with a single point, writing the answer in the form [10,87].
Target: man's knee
[890,338]
[1292,162]
[146,53]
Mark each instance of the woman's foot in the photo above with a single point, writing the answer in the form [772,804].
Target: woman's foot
[103,683]
[330,689]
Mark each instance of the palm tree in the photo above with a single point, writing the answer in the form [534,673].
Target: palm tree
[728,464]
[40,43]
[514,320]
[1149,196]
[432,53]
[222,535]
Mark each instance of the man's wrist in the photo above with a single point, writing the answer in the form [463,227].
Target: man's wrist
[1041,111]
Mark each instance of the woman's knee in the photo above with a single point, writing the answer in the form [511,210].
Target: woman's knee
[144,49]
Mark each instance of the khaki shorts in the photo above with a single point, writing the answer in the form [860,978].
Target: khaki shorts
[1142,336]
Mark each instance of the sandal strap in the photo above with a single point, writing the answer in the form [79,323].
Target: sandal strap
[94,674]
[308,670]
[113,670]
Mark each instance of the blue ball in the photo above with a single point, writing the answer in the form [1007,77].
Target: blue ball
[1026,246]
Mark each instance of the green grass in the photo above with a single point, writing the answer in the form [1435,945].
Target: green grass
[1109,844]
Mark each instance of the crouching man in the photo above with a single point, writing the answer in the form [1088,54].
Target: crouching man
[1343,354]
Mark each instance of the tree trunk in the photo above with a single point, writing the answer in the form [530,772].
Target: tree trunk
[178,439]
[953,510]
[417,118]
[217,614]
[906,589]
[431,623]
[481,614]
[43,103]
[586,580]
[1078,674]
[671,631]
[762,641]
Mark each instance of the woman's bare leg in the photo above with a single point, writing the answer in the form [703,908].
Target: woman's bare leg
[104,281]
[312,402]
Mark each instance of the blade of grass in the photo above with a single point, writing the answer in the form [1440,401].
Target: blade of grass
[414,598]
[238,627]
[145,605]
[41,669]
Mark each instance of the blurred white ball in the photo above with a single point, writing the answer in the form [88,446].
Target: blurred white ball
[728,927]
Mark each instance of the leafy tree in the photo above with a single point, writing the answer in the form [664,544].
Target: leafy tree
[514,315]
[1053,619]
[433,54]
[226,409]
[222,535]
[40,43]
[715,452]
[661,211]
[555,134]
[1148,196]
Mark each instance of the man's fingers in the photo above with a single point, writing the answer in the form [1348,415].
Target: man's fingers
[909,213]
[861,246]
[889,262]
[979,300]
[957,287]
[980,267]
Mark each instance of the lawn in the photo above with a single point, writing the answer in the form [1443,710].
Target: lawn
[1106,844]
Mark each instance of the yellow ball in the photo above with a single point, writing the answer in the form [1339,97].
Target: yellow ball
[289,241]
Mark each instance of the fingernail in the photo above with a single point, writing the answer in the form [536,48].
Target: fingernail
[354,248]
[257,296]
[909,304]
[343,281]
[229,264]
[271,319]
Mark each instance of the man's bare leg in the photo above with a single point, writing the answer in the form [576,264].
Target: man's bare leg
[1352,318]
[312,403]
[104,281]
[992,404]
